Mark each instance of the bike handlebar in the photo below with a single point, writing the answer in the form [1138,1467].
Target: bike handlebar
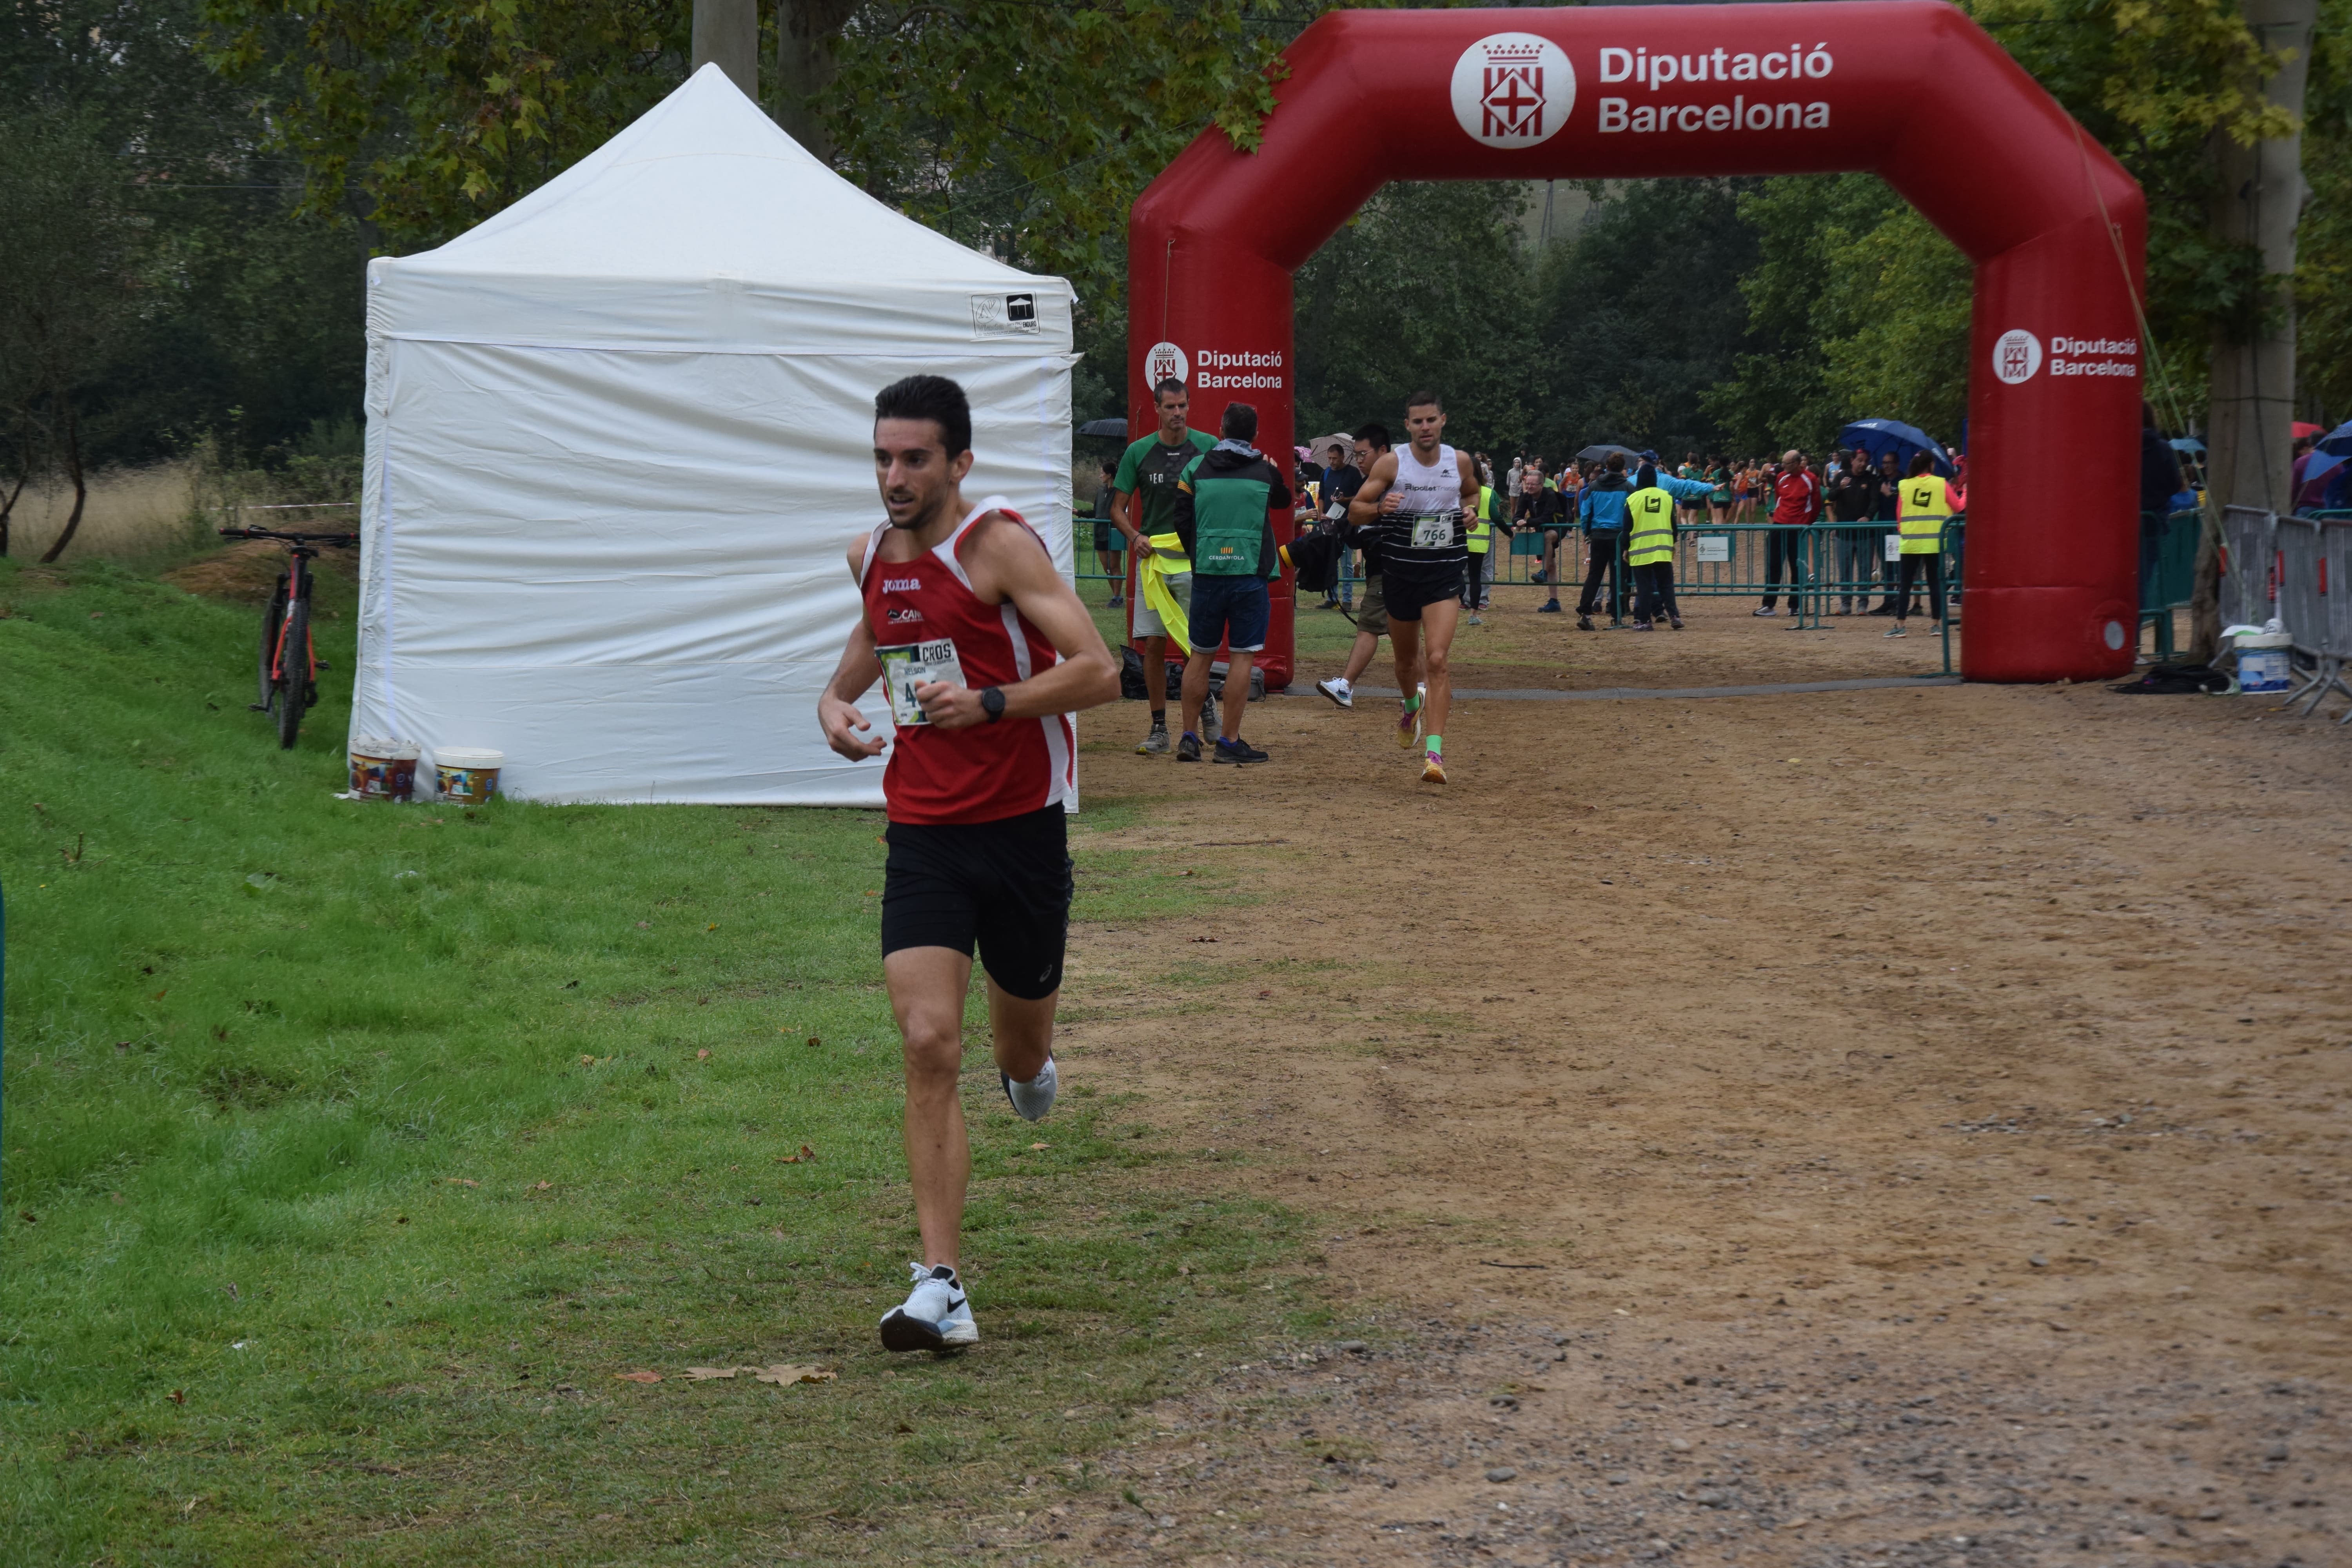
[289,538]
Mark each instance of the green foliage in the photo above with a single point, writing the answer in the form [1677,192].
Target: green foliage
[1857,309]
[245,319]
[1640,316]
[1422,289]
[354,1151]
[1028,134]
[425,118]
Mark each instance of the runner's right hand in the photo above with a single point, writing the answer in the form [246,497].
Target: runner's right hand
[843,724]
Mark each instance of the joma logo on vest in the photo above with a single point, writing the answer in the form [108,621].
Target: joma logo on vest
[902,584]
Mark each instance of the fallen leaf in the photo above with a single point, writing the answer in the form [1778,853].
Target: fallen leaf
[178,1396]
[784,1375]
[815,1041]
[703,1055]
[805,1155]
[461,1181]
[587,1061]
[705,1373]
[873,892]
[1041,1145]
[712,926]
[539,1187]
[645,925]
[640,1376]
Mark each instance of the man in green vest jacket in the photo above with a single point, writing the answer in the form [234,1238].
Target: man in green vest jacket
[1225,500]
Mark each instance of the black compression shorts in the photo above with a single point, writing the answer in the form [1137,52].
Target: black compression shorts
[1001,886]
[1408,591]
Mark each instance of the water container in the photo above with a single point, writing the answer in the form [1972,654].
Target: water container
[2264,662]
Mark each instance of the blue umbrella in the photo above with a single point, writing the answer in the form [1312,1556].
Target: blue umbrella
[1880,437]
[2329,452]
[2188,444]
[1117,427]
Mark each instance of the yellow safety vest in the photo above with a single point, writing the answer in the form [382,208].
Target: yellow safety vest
[1650,524]
[1482,533]
[1923,507]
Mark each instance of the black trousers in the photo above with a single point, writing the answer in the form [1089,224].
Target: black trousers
[1784,545]
[1654,589]
[1604,559]
[1913,566]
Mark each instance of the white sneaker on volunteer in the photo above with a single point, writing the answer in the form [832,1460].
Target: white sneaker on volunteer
[935,1315]
[1031,1100]
[1338,690]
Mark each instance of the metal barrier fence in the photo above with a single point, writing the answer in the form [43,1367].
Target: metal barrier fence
[2298,568]
[1812,567]
[2249,565]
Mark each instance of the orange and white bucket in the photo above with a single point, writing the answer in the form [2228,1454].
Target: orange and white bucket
[466,775]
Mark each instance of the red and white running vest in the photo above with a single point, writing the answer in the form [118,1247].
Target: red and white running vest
[987,771]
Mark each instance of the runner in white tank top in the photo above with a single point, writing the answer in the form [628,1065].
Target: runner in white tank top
[1419,497]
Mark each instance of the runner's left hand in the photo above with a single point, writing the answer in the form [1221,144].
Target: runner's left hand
[950,707]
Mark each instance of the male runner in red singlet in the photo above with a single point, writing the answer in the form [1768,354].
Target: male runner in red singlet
[986,653]
[1419,496]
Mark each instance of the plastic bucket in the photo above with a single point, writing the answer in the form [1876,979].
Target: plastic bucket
[466,775]
[382,769]
[2264,663]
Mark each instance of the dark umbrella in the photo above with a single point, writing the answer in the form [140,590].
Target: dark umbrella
[1104,427]
[2329,453]
[1880,437]
[1603,452]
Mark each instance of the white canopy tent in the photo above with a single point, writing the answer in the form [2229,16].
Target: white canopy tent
[619,438]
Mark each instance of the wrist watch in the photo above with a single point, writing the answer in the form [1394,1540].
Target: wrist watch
[991,702]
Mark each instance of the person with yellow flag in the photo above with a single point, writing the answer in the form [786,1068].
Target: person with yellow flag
[1144,505]
[1650,513]
[1922,505]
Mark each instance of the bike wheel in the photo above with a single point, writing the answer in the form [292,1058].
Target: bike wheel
[294,694]
[270,620]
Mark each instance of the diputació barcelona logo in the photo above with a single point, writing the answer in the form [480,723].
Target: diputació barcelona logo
[1513,90]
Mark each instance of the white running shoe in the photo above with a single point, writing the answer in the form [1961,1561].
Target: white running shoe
[1031,1100]
[1338,690]
[935,1314]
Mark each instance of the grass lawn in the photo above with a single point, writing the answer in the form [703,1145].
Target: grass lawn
[353,1152]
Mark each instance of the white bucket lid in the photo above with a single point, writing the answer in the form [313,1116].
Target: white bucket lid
[2265,639]
[467,757]
[376,748]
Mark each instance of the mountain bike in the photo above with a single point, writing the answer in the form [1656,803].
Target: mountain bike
[288,665]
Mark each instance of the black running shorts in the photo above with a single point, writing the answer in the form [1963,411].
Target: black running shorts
[1407,592]
[1002,886]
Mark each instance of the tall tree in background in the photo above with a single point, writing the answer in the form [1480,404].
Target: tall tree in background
[69,251]
[1425,286]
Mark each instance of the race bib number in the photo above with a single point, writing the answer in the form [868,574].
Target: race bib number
[909,665]
[1336,511]
[1431,531]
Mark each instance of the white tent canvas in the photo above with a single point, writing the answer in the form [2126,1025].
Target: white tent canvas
[619,438]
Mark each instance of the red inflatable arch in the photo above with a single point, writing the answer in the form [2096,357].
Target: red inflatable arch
[1911,89]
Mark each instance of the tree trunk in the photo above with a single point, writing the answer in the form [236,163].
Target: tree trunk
[80,485]
[2258,195]
[727,33]
[8,511]
[805,30]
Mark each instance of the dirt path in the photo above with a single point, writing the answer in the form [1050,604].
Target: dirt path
[1889,1127]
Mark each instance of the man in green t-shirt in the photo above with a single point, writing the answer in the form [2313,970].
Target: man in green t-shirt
[1144,506]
